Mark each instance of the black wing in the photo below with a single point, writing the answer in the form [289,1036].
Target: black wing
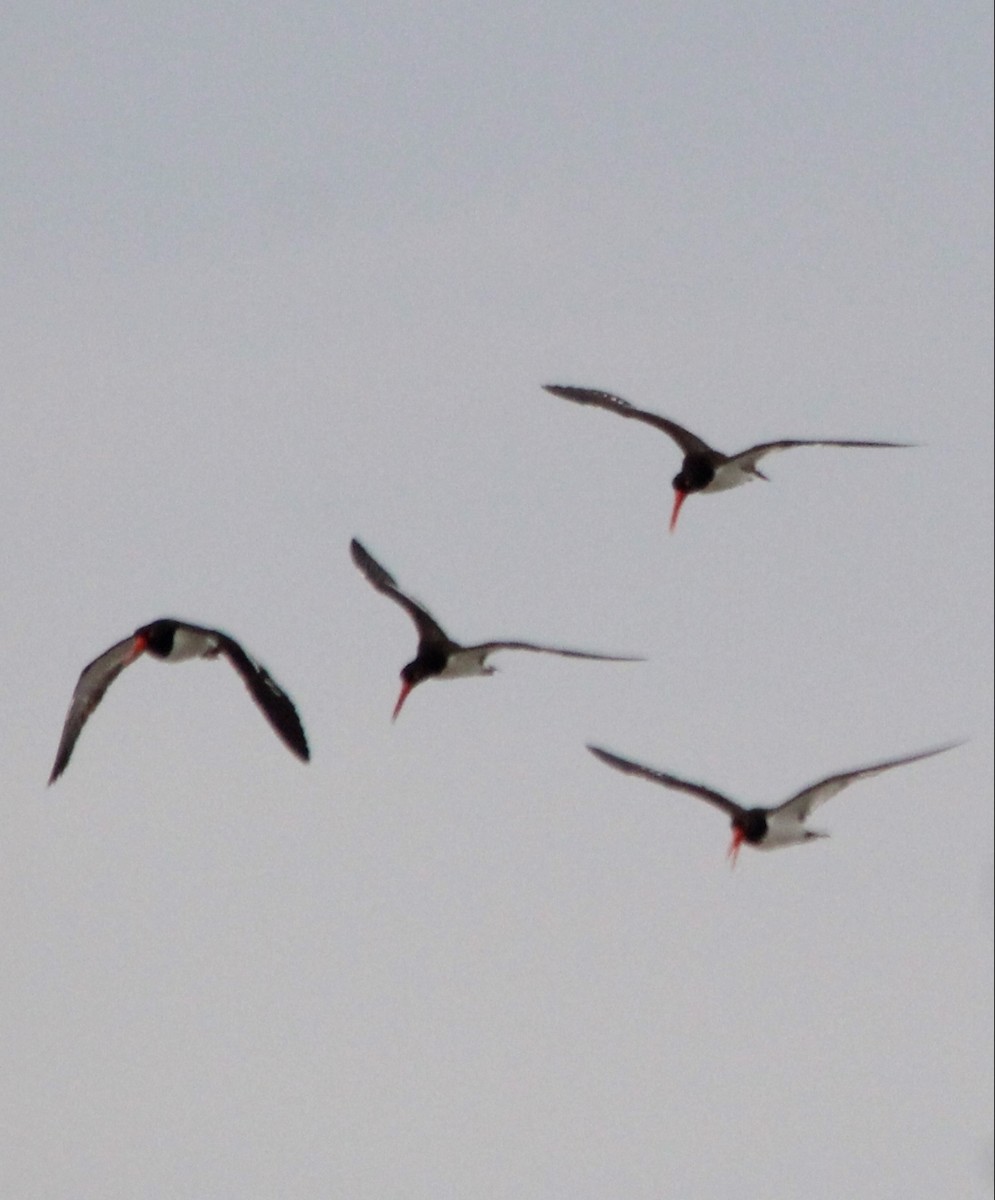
[429,630]
[815,794]
[267,693]
[93,682]
[690,443]
[489,648]
[749,458]
[729,807]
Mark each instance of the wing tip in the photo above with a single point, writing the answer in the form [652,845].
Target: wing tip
[300,747]
[944,748]
[599,752]
[373,571]
[62,757]
[570,391]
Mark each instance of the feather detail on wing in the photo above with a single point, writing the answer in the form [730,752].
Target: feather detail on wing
[690,443]
[490,647]
[730,807]
[816,794]
[276,705]
[747,459]
[93,682]
[429,629]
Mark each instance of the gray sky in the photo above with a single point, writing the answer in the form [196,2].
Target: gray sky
[275,276]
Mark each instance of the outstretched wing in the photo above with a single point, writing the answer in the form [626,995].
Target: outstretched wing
[267,693]
[815,794]
[93,682]
[688,442]
[429,630]
[729,807]
[486,648]
[748,459]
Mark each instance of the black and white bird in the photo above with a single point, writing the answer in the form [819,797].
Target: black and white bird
[439,657]
[175,641]
[703,469]
[766,828]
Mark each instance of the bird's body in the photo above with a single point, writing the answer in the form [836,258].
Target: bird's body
[467,662]
[177,641]
[765,828]
[704,469]
[725,476]
[438,656]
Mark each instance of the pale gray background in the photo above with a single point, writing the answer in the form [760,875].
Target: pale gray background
[275,275]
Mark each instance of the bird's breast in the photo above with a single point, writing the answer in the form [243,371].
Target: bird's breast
[191,643]
[463,664]
[784,831]
[729,475]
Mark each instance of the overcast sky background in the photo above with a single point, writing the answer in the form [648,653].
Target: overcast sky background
[278,275]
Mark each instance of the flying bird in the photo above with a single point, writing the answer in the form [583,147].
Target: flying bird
[439,657]
[766,828]
[703,469]
[175,641]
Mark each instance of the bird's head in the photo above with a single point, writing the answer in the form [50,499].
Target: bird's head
[156,638]
[428,663]
[696,473]
[749,826]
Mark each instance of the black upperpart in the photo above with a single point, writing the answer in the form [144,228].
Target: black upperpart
[696,473]
[430,661]
[159,636]
[753,823]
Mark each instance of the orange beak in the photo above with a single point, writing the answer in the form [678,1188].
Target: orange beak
[737,840]
[679,498]
[138,646]
[405,689]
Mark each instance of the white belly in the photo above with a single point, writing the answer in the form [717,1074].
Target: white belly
[786,831]
[464,664]
[189,644]
[729,475]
